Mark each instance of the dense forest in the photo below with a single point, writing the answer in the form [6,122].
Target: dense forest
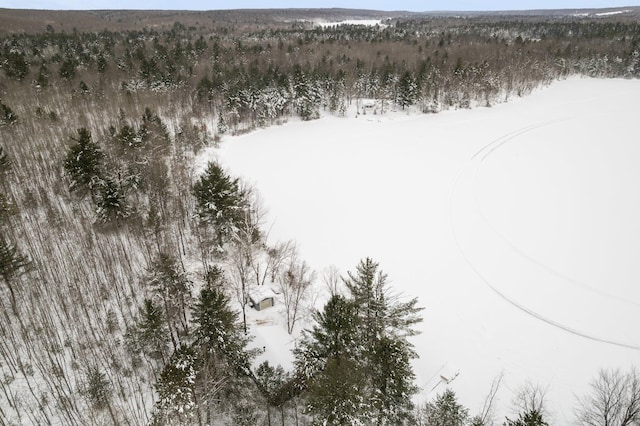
[126,276]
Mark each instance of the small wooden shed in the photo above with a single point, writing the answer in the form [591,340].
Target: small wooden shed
[261,298]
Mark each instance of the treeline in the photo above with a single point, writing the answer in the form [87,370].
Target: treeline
[260,77]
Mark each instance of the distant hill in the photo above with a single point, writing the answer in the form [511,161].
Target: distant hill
[34,21]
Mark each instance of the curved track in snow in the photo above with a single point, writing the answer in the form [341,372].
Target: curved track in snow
[486,152]
[475,162]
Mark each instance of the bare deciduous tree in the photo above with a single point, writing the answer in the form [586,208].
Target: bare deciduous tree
[239,270]
[243,252]
[531,397]
[278,255]
[486,416]
[294,284]
[12,264]
[332,280]
[264,261]
[251,236]
[614,400]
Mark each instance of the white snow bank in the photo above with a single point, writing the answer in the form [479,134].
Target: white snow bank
[516,226]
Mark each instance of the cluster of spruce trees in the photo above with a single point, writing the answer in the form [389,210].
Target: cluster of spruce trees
[136,168]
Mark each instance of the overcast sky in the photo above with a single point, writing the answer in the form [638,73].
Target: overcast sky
[410,5]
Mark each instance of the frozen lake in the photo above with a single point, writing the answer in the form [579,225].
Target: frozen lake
[517,226]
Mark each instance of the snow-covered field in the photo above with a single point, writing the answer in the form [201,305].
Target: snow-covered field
[517,226]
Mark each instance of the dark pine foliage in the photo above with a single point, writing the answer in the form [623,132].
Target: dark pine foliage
[218,330]
[532,418]
[83,163]
[7,116]
[356,360]
[220,201]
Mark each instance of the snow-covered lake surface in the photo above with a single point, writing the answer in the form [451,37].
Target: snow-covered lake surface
[363,22]
[517,226]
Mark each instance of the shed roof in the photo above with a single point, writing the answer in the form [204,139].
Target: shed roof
[260,293]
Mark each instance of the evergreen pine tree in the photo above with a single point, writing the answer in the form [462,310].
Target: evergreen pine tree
[366,287]
[177,402]
[83,162]
[380,311]
[101,63]
[7,116]
[222,125]
[97,388]
[531,418]
[393,381]
[328,360]
[128,137]
[220,201]
[4,161]
[111,204]
[150,334]
[387,354]
[15,65]
[270,381]
[67,69]
[366,334]
[334,336]
[407,90]
[445,411]
[337,395]
[304,94]
[224,362]
[218,330]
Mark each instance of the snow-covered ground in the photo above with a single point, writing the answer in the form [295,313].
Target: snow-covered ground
[617,12]
[363,22]
[517,226]
[602,14]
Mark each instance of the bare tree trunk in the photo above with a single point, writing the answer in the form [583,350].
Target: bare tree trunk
[243,303]
[166,313]
[14,305]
